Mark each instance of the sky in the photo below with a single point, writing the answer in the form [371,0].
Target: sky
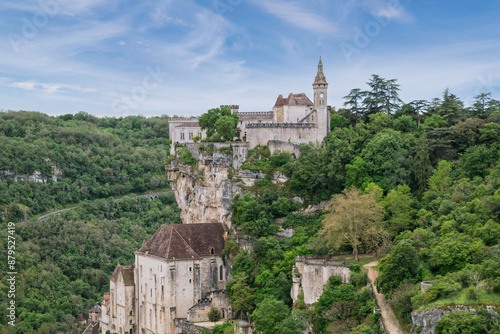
[182,57]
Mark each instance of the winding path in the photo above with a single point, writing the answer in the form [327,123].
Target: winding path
[390,322]
[151,196]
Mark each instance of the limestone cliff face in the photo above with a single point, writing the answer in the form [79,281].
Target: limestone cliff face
[203,192]
[424,322]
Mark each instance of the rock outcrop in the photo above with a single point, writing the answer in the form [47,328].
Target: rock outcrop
[424,322]
[204,190]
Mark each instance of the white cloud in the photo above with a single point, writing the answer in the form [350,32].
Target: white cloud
[44,86]
[389,10]
[293,13]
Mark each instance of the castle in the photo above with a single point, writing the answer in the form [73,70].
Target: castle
[294,120]
[179,273]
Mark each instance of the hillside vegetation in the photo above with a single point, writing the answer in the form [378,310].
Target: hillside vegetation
[98,158]
[433,168]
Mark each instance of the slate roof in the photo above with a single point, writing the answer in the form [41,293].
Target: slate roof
[293,100]
[95,309]
[185,241]
[188,125]
[126,271]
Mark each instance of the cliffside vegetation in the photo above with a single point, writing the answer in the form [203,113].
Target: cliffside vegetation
[434,169]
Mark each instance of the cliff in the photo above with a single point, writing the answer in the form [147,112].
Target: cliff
[424,322]
[204,189]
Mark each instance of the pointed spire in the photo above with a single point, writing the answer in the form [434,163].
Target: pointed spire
[320,77]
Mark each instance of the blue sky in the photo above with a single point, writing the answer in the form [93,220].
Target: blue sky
[182,57]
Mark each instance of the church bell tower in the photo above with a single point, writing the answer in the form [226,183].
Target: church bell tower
[320,87]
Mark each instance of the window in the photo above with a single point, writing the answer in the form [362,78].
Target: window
[190,268]
[189,280]
[212,251]
[190,135]
[182,135]
[199,135]
[141,271]
[220,273]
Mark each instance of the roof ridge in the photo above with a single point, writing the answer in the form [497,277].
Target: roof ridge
[189,244]
[170,240]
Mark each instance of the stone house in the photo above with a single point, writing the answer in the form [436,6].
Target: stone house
[105,311]
[121,301]
[178,274]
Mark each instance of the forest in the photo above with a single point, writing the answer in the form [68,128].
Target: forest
[98,158]
[421,180]
[65,262]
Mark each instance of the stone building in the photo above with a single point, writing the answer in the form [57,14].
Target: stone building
[311,273]
[105,311]
[293,120]
[178,274]
[122,300]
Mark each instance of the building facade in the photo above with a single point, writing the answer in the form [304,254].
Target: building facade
[293,120]
[176,274]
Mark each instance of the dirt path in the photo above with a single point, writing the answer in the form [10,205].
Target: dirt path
[390,322]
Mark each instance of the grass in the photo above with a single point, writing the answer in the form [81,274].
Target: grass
[484,298]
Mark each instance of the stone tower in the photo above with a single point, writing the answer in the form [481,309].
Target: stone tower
[320,87]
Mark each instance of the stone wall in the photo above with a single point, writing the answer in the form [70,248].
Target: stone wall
[311,273]
[219,299]
[297,133]
[276,145]
[424,322]
[184,327]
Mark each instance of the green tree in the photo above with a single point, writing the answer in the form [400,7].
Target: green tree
[388,160]
[453,252]
[419,105]
[295,323]
[451,109]
[241,294]
[441,181]
[405,123]
[269,314]
[460,322]
[481,105]
[400,207]
[214,314]
[352,219]
[400,266]
[219,121]
[422,164]
[357,174]
[354,102]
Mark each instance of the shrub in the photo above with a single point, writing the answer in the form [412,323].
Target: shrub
[359,279]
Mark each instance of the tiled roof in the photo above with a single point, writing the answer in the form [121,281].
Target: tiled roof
[188,125]
[243,116]
[293,100]
[185,241]
[126,271]
[80,318]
